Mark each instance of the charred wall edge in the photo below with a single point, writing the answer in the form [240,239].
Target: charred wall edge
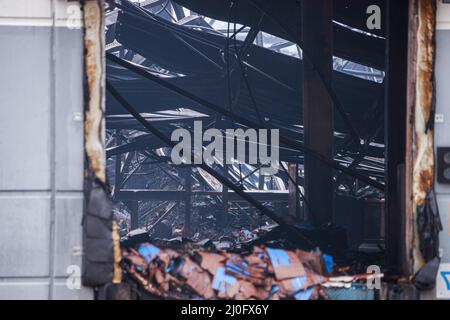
[100,241]
[423,223]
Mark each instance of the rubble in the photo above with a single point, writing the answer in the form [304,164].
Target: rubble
[189,271]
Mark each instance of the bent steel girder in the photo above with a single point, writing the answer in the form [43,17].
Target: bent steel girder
[243,120]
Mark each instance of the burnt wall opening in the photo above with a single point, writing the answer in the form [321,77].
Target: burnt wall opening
[291,121]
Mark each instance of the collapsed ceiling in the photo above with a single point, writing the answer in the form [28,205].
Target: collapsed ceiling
[185,51]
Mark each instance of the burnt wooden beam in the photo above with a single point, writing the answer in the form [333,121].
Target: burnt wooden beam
[317,36]
[118,175]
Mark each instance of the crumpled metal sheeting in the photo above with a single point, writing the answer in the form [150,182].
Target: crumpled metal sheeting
[263,274]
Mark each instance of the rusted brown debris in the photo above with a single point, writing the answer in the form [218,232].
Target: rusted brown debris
[265,273]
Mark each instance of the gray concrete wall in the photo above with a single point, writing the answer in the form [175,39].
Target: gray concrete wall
[442,139]
[41,161]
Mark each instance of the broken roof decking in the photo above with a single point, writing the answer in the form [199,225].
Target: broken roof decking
[275,81]
[354,46]
[370,165]
[245,12]
[275,86]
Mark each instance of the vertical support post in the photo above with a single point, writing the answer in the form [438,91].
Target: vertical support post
[293,199]
[396,20]
[259,39]
[133,206]
[187,200]
[261,181]
[317,37]
[179,13]
[118,175]
[223,220]
[118,171]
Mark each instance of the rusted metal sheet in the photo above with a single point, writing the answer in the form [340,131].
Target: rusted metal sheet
[95,81]
[421,100]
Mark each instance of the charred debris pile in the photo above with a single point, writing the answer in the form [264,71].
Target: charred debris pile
[185,270]
[267,264]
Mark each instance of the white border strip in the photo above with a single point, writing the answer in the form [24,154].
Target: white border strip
[443,16]
[40,22]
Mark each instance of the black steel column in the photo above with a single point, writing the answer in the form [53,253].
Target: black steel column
[118,168]
[317,37]
[133,206]
[225,196]
[294,201]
